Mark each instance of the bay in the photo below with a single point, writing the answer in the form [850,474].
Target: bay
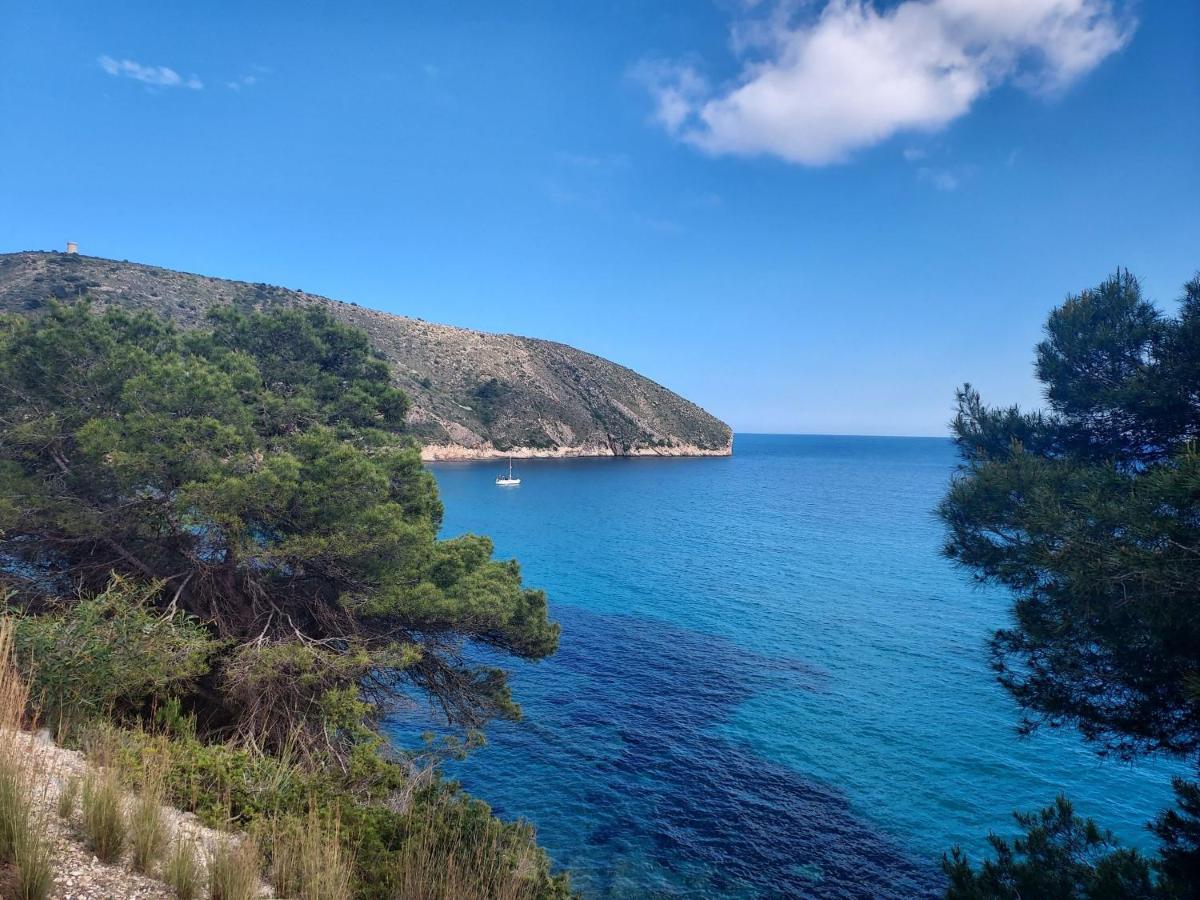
[769,684]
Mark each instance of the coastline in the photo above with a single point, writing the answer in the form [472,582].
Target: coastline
[459,453]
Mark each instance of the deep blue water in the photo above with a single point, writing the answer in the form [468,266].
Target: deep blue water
[769,684]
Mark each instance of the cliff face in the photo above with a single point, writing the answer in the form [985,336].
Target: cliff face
[474,394]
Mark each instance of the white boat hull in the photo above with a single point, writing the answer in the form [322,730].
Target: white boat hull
[508,481]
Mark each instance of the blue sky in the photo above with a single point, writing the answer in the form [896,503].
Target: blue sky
[806,217]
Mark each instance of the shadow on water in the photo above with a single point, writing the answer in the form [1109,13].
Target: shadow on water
[651,798]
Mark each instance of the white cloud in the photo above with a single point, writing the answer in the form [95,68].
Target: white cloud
[678,90]
[852,76]
[156,76]
[942,179]
[239,83]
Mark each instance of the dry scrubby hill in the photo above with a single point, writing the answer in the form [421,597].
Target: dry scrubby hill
[473,394]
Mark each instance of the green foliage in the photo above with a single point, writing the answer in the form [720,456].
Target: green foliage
[1089,513]
[383,812]
[317,370]
[225,784]
[489,398]
[1059,855]
[259,474]
[278,578]
[1179,830]
[288,685]
[1119,380]
[114,652]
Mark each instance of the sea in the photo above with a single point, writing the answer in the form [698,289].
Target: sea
[770,683]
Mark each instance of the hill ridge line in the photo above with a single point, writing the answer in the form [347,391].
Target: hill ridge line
[475,394]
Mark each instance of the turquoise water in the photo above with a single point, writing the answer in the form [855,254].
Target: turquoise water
[769,682]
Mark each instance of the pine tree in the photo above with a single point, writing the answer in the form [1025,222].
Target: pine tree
[258,474]
[1089,513]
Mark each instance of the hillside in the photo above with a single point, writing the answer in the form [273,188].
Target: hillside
[474,394]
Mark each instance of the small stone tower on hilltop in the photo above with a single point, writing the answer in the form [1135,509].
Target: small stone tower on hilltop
[72,247]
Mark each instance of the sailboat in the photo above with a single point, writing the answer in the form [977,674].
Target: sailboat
[509,481]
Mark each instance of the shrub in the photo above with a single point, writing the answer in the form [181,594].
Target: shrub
[103,818]
[489,399]
[388,819]
[111,652]
[225,784]
[293,692]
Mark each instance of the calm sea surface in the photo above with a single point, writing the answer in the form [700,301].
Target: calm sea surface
[769,682]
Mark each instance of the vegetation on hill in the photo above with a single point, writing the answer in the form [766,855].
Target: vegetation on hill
[225,537]
[1089,513]
[468,389]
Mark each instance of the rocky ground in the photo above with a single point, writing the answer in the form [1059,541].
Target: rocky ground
[78,874]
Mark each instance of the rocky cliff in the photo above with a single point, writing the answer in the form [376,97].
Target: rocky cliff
[474,394]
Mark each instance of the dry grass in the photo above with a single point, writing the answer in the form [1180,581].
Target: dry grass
[234,870]
[308,860]
[104,822]
[113,822]
[433,865]
[181,868]
[14,806]
[68,797]
[32,858]
[101,742]
[147,831]
[23,843]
